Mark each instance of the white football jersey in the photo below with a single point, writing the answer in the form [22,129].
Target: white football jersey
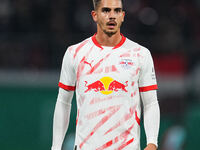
[107,81]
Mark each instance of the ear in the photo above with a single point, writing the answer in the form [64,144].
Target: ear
[94,15]
[123,14]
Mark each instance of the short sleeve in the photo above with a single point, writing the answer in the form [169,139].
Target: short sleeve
[67,76]
[147,78]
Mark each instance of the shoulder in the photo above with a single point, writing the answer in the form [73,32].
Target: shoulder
[81,43]
[74,49]
[136,48]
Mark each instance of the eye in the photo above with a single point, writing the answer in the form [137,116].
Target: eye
[105,10]
[118,10]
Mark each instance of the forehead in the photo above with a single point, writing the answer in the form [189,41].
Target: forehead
[110,4]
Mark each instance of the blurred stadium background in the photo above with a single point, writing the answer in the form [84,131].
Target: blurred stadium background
[34,36]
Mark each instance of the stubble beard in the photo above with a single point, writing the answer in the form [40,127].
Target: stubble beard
[110,33]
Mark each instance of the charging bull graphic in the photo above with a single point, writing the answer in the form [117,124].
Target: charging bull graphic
[106,85]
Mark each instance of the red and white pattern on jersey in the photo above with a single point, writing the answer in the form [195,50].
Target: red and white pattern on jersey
[108,82]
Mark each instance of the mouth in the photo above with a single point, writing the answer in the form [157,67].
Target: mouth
[111,24]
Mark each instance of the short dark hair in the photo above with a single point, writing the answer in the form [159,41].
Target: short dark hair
[97,2]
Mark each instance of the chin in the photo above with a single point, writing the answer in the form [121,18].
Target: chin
[110,33]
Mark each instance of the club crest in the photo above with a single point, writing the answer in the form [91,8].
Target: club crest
[126,63]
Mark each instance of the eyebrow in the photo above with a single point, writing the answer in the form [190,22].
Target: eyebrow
[105,9]
[109,9]
[118,9]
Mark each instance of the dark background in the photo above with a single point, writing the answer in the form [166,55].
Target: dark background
[34,36]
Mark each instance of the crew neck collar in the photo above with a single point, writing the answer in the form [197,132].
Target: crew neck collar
[115,47]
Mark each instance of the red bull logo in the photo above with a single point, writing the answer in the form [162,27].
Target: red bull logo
[106,85]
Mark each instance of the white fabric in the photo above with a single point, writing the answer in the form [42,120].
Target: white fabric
[147,73]
[61,118]
[68,76]
[107,84]
[151,116]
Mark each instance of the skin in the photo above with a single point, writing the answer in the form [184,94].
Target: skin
[109,12]
[109,17]
[151,147]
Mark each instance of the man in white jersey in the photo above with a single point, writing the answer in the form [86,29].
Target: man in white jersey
[109,73]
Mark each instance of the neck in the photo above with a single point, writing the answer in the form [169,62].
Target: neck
[106,40]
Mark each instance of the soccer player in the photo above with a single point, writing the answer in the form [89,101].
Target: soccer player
[112,76]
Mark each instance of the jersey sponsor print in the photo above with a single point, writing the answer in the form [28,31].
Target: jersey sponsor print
[106,85]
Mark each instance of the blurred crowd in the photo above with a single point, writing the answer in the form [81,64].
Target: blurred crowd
[35,34]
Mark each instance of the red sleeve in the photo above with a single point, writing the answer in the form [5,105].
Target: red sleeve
[148,88]
[66,87]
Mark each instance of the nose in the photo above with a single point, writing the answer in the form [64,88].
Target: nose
[112,15]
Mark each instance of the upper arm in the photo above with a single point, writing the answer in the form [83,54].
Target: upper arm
[65,96]
[67,75]
[147,78]
[149,97]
